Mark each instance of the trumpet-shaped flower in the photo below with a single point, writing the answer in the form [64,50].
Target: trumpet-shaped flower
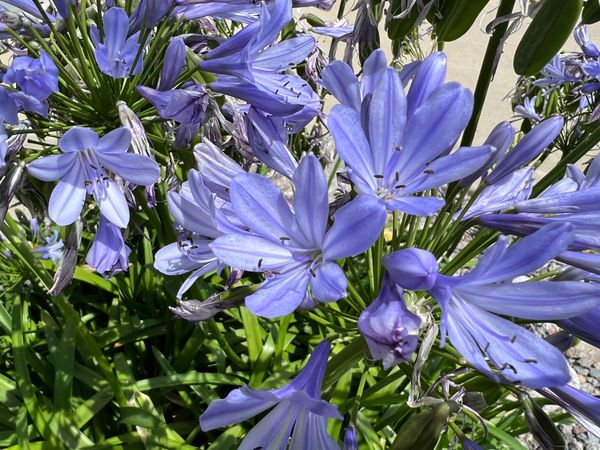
[194,209]
[37,77]
[295,249]
[117,54]
[298,411]
[81,169]
[391,154]
[471,305]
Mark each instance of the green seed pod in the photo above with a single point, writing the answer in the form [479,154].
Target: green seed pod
[547,33]
[457,17]
[422,431]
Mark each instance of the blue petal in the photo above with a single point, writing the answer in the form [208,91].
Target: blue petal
[261,206]
[501,263]
[528,148]
[433,129]
[340,81]
[267,143]
[585,326]
[430,75]
[351,143]
[310,432]
[68,197]
[78,139]
[373,68]
[534,300]
[519,356]
[111,201]
[281,56]
[51,168]
[250,252]
[115,142]
[386,119]
[274,430]
[583,407]
[356,227]
[137,169]
[417,206]
[310,200]
[174,63]
[503,195]
[239,405]
[172,260]
[449,168]
[281,294]
[328,283]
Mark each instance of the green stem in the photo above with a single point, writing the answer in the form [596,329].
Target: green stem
[486,73]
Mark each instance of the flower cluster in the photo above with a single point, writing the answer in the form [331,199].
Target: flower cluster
[369,211]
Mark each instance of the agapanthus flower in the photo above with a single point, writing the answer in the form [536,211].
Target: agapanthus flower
[194,209]
[250,68]
[583,407]
[574,200]
[217,169]
[299,412]
[37,77]
[554,74]
[471,303]
[295,249]
[268,140]
[186,105]
[108,255]
[389,328]
[116,54]
[582,38]
[52,249]
[527,110]
[81,169]
[243,11]
[392,155]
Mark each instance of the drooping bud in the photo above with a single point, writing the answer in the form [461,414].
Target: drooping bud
[389,328]
[139,141]
[174,63]
[108,254]
[350,439]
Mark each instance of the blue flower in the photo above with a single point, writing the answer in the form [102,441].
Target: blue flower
[392,154]
[37,77]
[194,209]
[527,110]
[250,68]
[81,169]
[350,439]
[471,303]
[389,328]
[53,249]
[582,38]
[298,411]
[116,55]
[108,254]
[295,249]
[186,105]
[267,138]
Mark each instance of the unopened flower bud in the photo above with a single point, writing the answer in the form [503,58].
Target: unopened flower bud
[412,268]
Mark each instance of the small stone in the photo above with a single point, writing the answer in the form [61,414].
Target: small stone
[582,379]
[581,370]
[595,373]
